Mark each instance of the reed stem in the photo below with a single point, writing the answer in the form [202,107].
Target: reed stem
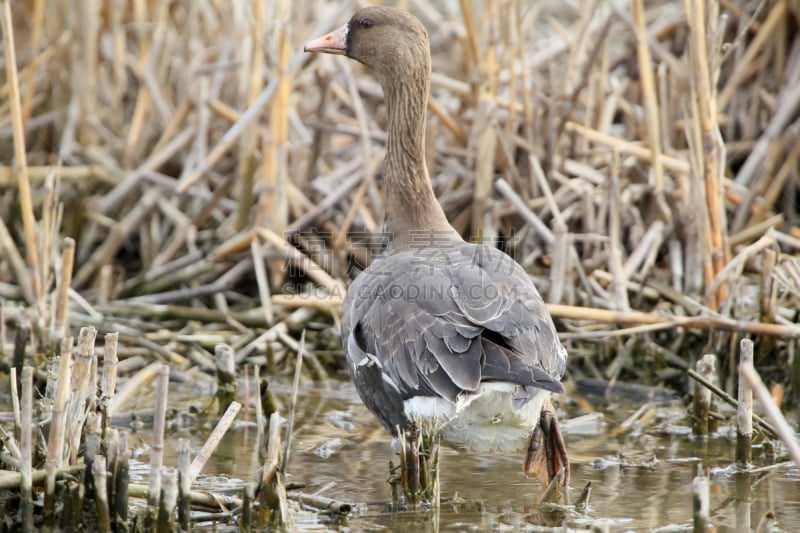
[26,449]
[100,475]
[744,416]
[213,440]
[157,447]
[701,423]
[184,484]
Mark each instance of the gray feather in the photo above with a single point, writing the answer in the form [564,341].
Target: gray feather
[442,323]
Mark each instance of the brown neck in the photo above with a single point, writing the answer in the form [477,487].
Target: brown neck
[412,211]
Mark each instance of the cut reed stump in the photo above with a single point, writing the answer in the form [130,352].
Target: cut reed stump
[121,480]
[744,416]
[272,509]
[168,499]
[184,483]
[227,387]
[99,475]
[702,422]
[26,449]
[157,447]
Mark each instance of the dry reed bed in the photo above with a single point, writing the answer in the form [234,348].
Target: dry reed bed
[182,173]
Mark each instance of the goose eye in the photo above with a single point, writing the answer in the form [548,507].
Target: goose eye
[366,23]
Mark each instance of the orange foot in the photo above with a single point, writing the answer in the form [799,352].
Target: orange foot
[547,453]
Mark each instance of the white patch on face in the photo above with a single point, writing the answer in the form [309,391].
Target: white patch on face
[345,34]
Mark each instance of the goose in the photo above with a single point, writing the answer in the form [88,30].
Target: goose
[443,337]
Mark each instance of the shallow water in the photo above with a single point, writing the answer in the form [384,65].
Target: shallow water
[640,482]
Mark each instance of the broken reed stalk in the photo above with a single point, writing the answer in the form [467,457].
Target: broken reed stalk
[184,484]
[108,384]
[20,156]
[61,319]
[298,368]
[248,497]
[10,453]
[168,499]
[213,440]
[58,427]
[701,423]
[552,493]
[26,449]
[582,501]
[272,496]
[100,475]
[219,502]
[744,416]
[700,499]
[84,389]
[10,480]
[109,444]
[782,428]
[121,480]
[323,503]
[227,387]
[767,298]
[73,503]
[157,447]
[92,449]
[258,448]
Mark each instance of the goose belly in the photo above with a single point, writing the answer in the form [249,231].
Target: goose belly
[483,421]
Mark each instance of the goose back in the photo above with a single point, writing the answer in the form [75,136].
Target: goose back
[438,321]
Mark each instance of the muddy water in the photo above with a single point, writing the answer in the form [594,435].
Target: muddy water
[640,481]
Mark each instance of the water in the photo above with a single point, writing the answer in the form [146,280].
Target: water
[641,480]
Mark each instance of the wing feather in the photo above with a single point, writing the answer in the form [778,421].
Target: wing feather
[442,325]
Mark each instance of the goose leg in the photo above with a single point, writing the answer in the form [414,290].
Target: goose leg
[410,463]
[547,452]
[419,465]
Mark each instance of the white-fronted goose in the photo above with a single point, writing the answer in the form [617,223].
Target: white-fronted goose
[442,335]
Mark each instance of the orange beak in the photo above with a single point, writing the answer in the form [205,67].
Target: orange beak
[333,43]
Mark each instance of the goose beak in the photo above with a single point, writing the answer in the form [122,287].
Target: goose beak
[333,43]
